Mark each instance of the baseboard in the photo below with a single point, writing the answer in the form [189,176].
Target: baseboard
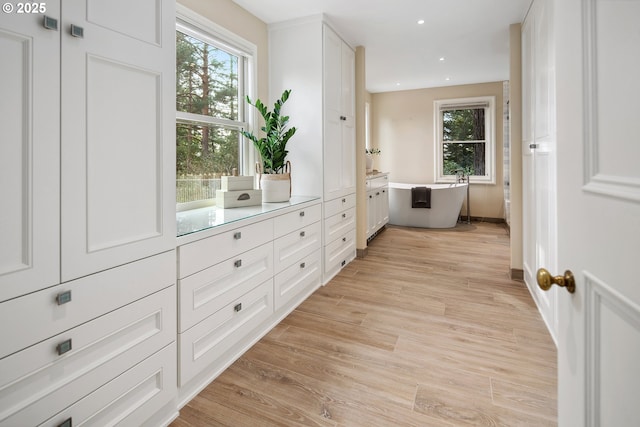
[517,274]
[483,219]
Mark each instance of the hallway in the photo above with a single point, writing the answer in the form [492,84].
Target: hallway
[427,330]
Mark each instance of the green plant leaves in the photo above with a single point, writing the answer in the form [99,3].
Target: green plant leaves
[272,147]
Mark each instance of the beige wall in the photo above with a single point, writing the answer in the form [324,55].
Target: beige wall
[403,129]
[229,15]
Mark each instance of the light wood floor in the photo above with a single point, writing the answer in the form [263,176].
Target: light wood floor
[427,330]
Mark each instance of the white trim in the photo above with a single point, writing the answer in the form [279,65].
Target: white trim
[597,295]
[490,133]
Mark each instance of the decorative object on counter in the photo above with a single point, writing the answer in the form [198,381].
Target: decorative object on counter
[370,152]
[237,191]
[274,172]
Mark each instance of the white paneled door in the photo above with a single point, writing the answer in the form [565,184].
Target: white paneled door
[118,136]
[598,64]
[29,150]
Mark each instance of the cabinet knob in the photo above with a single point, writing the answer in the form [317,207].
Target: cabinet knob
[302,234]
[64,347]
[344,215]
[77,31]
[302,213]
[237,307]
[50,23]
[370,196]
[378,193]
[344,200]
[343,118]
[303,265]
[63,297]
[342,264]
[344,239]
[237,235]
[238,263]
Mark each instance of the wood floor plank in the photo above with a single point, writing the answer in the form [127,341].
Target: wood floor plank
[427,330]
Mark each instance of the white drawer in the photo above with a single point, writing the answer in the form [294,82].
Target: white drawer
[39,315]
[374,183]
[340,204]
[38,382]
[339,253]
[304,275]
[130,399]
[207,291]
[210,339]
[339,224]
[198,255]
[285,224]
[295,245]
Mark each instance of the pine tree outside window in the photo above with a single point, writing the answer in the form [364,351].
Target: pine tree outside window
[211,83]
[465,139]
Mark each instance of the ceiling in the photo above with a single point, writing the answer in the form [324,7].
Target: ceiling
[472,37]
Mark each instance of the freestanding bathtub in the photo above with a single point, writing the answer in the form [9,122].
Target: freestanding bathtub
[446,201]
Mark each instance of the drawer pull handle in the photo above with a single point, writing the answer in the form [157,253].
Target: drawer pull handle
[77,31]
[302,234]
[344,239]
[303,265]
[237,235]
[370,196]
[344,200]
[63,297]
[237,307]
[64,347]
[50,24]
[344,215]
[238,263]
[342,264]
[302,213]
[378,193]
[66,423]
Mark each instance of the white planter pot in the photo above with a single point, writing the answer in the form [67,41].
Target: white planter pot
[369,163]
[275,187]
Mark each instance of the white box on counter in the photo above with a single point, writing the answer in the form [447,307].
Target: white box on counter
[238,198]
[231,183]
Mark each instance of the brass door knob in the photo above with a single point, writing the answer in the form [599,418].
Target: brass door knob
[545,280]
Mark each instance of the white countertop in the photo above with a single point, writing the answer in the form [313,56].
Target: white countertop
[210,217]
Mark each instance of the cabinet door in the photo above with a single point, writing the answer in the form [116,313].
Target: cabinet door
[29,152]
[332,141]
[348,130]
[118,133]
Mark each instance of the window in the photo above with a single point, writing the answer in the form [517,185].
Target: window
[211,85]
[465,139]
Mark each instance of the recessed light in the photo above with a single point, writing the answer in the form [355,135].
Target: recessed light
[447,78]
[398,84]
[421,21]
[442,58]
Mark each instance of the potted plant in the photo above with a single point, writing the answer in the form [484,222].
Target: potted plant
[274,171]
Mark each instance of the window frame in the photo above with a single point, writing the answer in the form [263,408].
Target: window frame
[489,104]
[195,25]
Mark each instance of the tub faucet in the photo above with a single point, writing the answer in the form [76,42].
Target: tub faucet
[460,175]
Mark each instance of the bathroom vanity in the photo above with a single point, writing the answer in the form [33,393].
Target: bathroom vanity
[377,187]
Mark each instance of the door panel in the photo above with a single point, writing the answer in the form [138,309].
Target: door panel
[598,212]
[29,153]
[118,135]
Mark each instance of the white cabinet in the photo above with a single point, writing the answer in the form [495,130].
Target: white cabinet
[309,57]
[118,133]
[29,154]
[377,204]
[237,282]
[87,255]
[339,117]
